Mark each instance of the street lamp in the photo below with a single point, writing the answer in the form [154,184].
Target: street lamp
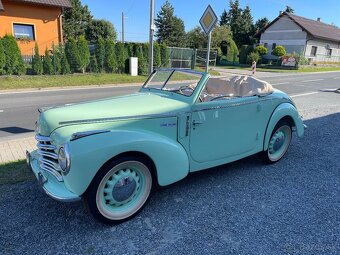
[152,30]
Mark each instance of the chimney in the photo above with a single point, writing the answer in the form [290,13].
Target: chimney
[280,12]
[318,19]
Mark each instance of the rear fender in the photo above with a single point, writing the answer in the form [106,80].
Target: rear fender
[282,111]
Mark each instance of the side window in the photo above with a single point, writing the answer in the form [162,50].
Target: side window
[328,52]
[23,31]
[313,51]
[273,46]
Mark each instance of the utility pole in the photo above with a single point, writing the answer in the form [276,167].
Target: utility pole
[152,30]
[122,27]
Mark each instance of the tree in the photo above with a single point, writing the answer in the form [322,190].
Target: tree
[220,34]
[289,9]
[247,28]
[164,55]
[47,65]
[260,24]
[100,54]
[14,63]
[261,50]
[56,58]
[279,51]
[100,28]
[94,64]
[37,64]
[76,20]
[72,53]
[111,63]
[157,55]
[253,56]
[245,50]
[142,64]
[65,66]
[84,54]
[2,57]
[170,29]
[225,18]
[196,38]
[121,57]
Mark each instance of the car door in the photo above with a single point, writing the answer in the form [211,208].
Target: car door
[221,129]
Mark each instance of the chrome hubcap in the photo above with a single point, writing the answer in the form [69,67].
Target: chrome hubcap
[124,189]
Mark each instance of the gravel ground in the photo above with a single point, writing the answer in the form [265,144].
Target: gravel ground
[244,207]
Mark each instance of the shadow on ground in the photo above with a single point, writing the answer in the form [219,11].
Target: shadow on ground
[245,207]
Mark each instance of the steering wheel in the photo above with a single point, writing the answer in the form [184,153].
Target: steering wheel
[181,89]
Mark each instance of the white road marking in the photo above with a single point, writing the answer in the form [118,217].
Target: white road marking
[305,94]
[1,111]
[336,78]
[313,80]
[281,83]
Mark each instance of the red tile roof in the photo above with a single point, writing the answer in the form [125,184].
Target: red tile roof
[57,3]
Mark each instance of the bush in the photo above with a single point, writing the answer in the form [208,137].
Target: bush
[100,54]
[84,54]
[142,64]
[164,55]
[37,64]
[279,51]
[253,56]
[121,57]
[94,64]
[47,65]
[245,50]
[56,59]
[156,55]
[14,63]
[65,66]
[72,54]
[111,63]
[232,53]
[2,58]
[261,50]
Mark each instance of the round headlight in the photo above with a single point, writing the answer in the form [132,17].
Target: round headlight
[64,159]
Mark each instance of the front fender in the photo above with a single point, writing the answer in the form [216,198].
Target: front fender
[90,153]
[283,110]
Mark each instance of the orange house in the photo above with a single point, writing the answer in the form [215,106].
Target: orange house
[33,21]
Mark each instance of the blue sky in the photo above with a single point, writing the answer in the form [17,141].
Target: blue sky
[137,12]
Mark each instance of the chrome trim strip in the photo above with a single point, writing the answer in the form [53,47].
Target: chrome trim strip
[79,135]
[148,116]
[47,154]
[41,138]
[51,171]
[61,199]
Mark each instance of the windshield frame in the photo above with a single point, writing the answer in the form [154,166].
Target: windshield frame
[171,72]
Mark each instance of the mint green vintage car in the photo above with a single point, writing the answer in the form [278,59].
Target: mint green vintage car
[113,152]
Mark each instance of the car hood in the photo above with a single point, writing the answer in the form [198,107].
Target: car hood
[110,109]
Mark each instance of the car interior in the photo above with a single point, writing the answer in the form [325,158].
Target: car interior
[222,88]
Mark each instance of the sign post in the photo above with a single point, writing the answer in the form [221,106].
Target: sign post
[208,22]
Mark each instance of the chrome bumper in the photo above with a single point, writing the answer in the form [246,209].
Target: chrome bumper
[52,187]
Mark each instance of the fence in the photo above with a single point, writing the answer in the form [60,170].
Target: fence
[201,57]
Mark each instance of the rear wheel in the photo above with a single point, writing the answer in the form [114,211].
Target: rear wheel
[278,143]
[119,190]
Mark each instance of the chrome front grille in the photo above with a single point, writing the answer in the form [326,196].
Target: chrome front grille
[48,157]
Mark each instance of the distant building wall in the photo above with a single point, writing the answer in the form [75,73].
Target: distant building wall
[326,51]
[284,32]
[44,19]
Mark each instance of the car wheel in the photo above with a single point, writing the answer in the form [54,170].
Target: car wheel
[119,190]
[278,143]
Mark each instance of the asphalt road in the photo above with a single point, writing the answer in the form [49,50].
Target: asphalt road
[18,111]
[291,207]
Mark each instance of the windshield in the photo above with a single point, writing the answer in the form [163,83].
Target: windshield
[178,81]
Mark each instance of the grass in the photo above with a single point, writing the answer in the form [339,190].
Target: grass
[279,70]
[49,81]
[15,172]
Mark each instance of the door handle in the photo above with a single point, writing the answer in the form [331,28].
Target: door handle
[197,122]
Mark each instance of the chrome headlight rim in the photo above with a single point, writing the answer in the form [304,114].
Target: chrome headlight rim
[64,159]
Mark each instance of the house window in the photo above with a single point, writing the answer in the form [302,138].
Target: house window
[265,45]
[313,51]
[23,31]
[273,46]
[328,52]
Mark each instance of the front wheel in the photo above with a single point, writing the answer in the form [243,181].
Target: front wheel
[119,190]
[278,143]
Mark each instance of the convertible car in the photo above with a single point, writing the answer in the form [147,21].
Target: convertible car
[112,152]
